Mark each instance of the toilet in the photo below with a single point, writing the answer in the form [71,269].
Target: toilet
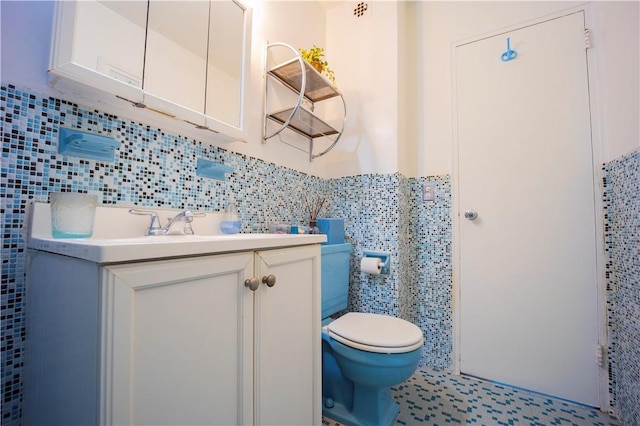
[363,354]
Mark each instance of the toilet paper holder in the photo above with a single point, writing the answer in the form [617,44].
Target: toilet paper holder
[384,257]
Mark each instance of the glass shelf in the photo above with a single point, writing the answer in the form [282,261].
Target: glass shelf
[317,87]
[305,122]
[290,74]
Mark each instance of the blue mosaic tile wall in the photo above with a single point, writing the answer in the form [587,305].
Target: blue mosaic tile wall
[368,204]
[387,213]
[431,241]
[622,243]
[153,168]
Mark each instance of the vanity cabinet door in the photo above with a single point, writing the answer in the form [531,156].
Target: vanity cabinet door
[288,386]
[178,342]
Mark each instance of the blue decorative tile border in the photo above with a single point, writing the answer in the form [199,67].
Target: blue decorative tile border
[622,240]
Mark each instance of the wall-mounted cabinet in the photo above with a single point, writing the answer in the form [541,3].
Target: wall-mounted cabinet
[184,59]
[82,52]
[316,111]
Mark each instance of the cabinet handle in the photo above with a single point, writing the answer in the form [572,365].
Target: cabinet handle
[252,283]
[269,280]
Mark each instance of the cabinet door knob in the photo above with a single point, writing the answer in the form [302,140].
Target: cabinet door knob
[269,280]
[252,283]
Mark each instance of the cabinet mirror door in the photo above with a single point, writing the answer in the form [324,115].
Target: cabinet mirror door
[184,58]
[176,54]
[96,46]
[226,61]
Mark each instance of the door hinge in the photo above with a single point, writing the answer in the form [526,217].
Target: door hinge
[601,352]
[587,38]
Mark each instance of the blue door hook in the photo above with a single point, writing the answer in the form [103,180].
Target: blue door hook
[510,54]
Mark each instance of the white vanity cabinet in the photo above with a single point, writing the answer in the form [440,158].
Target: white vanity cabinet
[178,341]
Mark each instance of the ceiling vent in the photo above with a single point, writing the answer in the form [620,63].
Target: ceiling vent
[361,9]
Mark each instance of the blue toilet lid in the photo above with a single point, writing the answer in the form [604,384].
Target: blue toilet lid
[376,333]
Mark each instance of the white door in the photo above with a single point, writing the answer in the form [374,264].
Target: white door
[527,263]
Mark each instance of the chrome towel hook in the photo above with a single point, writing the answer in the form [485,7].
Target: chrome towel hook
[510,54]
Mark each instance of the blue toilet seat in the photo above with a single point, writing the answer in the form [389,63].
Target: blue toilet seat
[375,333]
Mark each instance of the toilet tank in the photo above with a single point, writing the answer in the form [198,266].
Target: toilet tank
[335,278]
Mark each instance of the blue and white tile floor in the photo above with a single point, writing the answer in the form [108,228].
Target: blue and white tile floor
[442,398]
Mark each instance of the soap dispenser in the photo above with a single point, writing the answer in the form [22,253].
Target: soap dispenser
[230,221]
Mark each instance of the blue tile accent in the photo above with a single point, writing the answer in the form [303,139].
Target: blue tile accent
[622,243]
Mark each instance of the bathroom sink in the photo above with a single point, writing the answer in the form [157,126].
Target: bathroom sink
[175,239]
[119,237]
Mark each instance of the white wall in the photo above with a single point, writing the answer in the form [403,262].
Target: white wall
[26,36]
[363,51]
[616,43]
[410,110]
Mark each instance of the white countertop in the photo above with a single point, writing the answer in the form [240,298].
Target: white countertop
[119,237]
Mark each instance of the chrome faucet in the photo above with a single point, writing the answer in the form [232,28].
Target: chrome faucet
[184,218]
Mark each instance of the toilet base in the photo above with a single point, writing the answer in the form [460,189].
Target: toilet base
[362,395]
[340,413]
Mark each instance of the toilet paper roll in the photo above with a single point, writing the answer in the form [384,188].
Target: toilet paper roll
[371,265]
